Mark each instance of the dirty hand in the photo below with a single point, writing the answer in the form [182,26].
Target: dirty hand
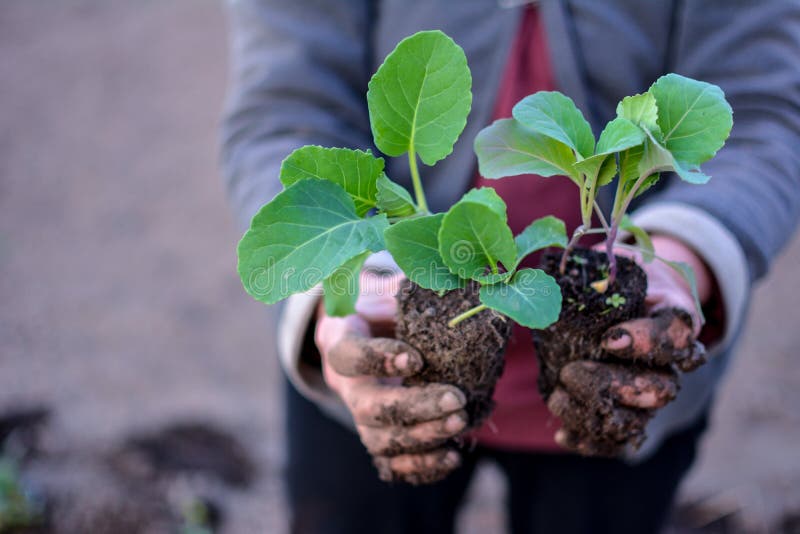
[616,400]
[404,428]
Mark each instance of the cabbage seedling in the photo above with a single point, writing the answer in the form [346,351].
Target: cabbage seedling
[677,125]
[339,205]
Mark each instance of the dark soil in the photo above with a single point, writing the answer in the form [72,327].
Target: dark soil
[468,356]
[145,484]
[585,314]
[188,447]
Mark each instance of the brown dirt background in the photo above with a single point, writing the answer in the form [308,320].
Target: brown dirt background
[119,301]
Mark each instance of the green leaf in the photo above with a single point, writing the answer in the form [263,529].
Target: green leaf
[414,245]
[532,298]
[642,111]
[487,196]
[300,237]
[548,231]
[643,240]
[607,171]
[393,199]
[473,236]
[420,97]
[555,115]
[687,273]
[506,148]
[601,166]
[618,135]
[493,278]
[629,163]
[658,159]
[355,170]
[694,117]
[340,289]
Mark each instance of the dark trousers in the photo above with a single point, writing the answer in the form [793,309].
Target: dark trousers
[334,489]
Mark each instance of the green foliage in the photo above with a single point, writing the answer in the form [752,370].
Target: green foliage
[678,124]
[338,205]
[545,232]
[301,237]
[641,110]
[341,287]
[356,171]
[420,97]
[619,134]
[616,300]
[506,148]
[656,158]
[393,199]
[555,115]
[694,117]
[474,236]
[532,298]
[600,169]
[414,245]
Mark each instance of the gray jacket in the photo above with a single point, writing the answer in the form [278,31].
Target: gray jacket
[299,76]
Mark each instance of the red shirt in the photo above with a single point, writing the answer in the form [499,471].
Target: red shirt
[521,420]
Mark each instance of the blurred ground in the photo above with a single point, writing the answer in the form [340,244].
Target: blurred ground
[120,305]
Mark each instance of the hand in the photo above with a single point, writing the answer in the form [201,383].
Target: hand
[604,407]
[404,428]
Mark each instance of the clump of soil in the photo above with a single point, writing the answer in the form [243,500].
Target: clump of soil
[585,313]
[195,447]
[468,355]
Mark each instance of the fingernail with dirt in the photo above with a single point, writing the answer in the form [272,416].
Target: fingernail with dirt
[618,340]
[401,361]
[450,402]
[558,403]
[452,459]
[454,423]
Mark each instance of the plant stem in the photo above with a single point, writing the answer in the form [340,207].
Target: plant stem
[466,315]
[621,205]
[579,232]
[601,217]
[586,208]
[619,210]
[612,259]
[418,191]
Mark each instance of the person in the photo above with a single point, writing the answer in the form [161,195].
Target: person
[300,70]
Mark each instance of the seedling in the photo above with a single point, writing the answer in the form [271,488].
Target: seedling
[616,300]
[339,206]
[678,124]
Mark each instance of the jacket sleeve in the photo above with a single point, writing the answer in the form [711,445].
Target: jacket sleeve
[299,71]
[741,219]
[752,50]
[746,213]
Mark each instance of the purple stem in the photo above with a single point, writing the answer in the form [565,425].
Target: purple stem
[612,259]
